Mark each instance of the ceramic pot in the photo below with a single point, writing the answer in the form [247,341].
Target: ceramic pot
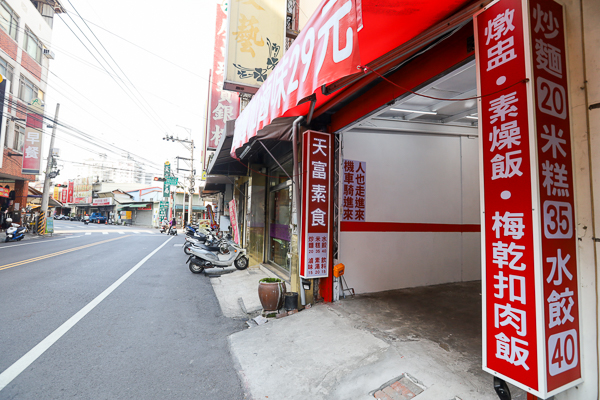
[271,295]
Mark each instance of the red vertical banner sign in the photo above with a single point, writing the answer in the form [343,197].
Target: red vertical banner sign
[530,306]
[223,105]
[233,218]
[63,195]
[32,147]
[70,193]
[556,190]
[316,204]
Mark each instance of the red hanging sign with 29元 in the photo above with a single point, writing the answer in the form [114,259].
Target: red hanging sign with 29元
[326,50]
[316,205]
[531,327]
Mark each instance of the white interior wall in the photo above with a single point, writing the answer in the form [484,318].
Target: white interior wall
[414,179]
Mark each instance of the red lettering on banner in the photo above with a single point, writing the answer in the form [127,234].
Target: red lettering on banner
[316,205]
[70,193]
[354,192]
[224,105]
[510,309]
[555,166]
[325,50]
[32,147]
[512,320]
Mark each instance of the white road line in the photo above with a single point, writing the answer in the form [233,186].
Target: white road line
[88,233]
[135,231]
[120,232]
[105,233]
[27,244]
[24,362]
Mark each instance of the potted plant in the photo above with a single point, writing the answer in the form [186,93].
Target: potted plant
[271,293]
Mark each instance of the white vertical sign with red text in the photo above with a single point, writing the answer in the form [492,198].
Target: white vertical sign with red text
[316,204]
[354,192]
[530,280]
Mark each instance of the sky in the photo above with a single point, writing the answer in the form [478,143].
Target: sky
[168,88]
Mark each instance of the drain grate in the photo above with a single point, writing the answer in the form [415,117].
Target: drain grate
[401,388]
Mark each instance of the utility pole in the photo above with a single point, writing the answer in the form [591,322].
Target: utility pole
[50,161]
[191,170]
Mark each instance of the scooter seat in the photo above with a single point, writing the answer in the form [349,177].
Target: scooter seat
[210,248]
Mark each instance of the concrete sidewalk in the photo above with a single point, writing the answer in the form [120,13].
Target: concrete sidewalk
[354,348]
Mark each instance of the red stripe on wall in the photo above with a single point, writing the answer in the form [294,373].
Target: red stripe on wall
[351,226]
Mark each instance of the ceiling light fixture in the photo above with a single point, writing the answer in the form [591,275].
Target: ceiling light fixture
[413,111]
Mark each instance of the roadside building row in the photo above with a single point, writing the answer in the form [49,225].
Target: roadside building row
[433,149]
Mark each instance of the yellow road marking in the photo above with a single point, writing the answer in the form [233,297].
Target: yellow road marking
[58,253]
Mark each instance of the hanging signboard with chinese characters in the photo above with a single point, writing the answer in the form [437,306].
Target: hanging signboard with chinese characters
[82,192]
[32,146]
[557,191]
[530,284]
[255,42]
[325,50]
[166,174]
[163,209]
[354,192]
[70,193]
[316,205]
[223,105]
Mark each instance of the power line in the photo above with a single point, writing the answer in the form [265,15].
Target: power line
[112,58]
[115,75]
[81,135]
[146,50]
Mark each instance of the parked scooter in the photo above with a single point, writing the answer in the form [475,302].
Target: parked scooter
[15,232]
[197,240]
[224,255]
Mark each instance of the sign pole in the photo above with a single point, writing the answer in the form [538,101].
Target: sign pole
[46,191]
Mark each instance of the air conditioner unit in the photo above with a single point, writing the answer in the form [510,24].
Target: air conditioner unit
[49,54]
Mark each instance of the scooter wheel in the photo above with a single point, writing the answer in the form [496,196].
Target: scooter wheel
[6,240]
[186,249]
[241,263]
[196,269]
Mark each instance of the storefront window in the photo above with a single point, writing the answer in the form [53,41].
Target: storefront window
[280,207]
[278,176]
[256,219]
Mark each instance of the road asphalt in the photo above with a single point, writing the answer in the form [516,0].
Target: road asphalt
[110,316]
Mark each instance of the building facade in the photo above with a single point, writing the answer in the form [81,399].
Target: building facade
[25,44]
[410,135]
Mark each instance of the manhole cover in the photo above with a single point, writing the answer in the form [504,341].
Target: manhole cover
[400,388]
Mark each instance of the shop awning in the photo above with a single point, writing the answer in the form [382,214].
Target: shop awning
[178,207]
[326,55]
[222,163]
[144,205]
